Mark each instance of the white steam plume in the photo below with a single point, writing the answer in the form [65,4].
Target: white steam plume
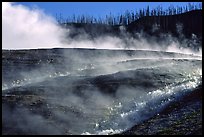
[24,28]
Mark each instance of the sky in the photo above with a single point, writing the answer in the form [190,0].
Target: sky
[96,9]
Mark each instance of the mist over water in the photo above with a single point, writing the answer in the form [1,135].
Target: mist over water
[97,95]
[83,91]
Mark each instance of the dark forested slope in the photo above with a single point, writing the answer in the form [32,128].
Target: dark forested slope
[186,23]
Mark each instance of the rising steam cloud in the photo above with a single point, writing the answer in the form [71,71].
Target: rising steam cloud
[31,28]
[25,28]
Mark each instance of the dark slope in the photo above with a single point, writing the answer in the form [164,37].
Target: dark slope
[190,21]
[191,24]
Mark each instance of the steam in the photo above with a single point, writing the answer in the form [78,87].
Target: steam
[31,28]
[25,28]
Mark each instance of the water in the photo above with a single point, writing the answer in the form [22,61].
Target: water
[127,113]
[94,96]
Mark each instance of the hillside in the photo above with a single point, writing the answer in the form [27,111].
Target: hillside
[191,22]
[186,23]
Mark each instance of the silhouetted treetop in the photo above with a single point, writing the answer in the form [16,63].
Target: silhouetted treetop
[129,16]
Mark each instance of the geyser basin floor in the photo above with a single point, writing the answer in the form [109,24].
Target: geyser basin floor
[93,91]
